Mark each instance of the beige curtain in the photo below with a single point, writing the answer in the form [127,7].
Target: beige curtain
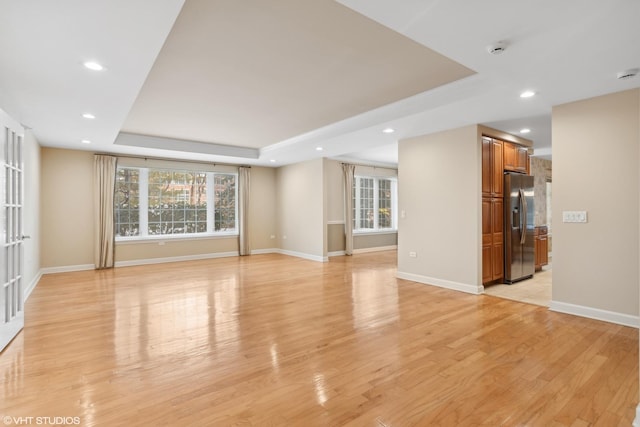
[104,171]
[348,171]
[244,191]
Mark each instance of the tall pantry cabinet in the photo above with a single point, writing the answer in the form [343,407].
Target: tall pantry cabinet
[492,210]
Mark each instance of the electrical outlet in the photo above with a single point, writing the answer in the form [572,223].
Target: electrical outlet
[413,255]
[273,236]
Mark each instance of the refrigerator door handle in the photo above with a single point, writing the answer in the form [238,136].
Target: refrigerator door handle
[523,217]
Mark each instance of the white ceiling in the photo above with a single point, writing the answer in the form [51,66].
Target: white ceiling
[565,51]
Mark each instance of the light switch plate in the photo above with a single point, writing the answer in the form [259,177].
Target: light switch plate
[574,216]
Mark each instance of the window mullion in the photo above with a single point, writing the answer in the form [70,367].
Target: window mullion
[143,213]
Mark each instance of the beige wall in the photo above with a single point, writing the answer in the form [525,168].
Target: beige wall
[333,181]
[596,162]
[335,238]
[31,209]
[439,191]
[66,208]
[369,241]
[301,208]
[263,218]
[72,171]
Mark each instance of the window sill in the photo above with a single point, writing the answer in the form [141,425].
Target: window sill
[368,233]
[173,237]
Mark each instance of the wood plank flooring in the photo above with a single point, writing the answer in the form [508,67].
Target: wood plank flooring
[279,341]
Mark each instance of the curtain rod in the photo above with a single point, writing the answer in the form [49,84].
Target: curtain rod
[167,159]
[369,166]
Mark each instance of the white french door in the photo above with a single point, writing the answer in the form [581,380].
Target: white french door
[11,251]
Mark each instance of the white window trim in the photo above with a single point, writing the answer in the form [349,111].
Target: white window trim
[143,195]
[376,188]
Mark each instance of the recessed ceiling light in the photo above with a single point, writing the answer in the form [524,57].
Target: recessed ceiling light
[92,65]
[86,141]
[319,148]
[272,160]
[88,116]
[527,94]
[525,130]
[388,130]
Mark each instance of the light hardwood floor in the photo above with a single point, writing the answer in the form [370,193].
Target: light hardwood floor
[281,341]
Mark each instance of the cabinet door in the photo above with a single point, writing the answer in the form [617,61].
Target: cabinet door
[486,166]
[498,261]
[510,157]
[497,173]
[497,237]
[522,160]
[544,251]
[487,264]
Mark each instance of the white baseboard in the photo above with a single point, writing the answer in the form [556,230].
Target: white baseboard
[303,255]
[175,259]
[31,286]
[636,421]
[265,251]
[336,253]
[595,313]
[67,268]
[376,249]
[456,286]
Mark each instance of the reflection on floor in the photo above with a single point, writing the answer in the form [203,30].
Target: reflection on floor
[536,290]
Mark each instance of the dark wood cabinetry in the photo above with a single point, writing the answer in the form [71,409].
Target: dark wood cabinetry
[492,168]
[541,244]
[492,210]
[516,158]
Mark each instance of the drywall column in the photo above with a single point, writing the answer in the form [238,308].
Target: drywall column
[439,226]
[596,145]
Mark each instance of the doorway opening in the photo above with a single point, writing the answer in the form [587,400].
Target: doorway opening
[538,289]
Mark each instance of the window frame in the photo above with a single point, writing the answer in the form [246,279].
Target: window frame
[143,208]
[376,205]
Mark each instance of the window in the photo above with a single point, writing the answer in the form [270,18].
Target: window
[158,202]
[374,203]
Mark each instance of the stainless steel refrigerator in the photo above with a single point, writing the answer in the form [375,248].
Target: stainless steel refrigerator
[519,226]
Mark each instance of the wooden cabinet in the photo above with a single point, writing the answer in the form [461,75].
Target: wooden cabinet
[492,210]
[492,168]
[541,245]
[516,158]
[492,239]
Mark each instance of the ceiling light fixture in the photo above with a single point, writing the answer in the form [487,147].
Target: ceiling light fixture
[628,74]
[88,116]
[272,160]
[86,141]
[388,130]
[525,130]
[527,94]
[319,148]
[92,65]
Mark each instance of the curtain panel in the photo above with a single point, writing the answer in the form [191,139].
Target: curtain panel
[244,192]
[348,171]
[104,171]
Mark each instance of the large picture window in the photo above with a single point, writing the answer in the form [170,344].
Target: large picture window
[374,204]
[158,202]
